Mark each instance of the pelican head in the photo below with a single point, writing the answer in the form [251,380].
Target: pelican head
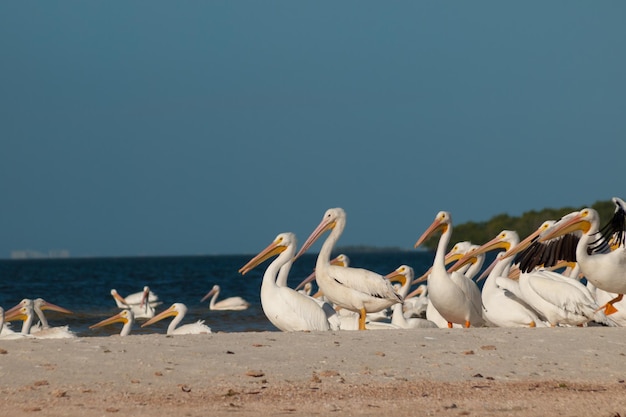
[214,290]
[174,310]
[341,260]
[577,221]
[442,223]
[529,239]
[278,246]
[124,316]
[20,313]
[457,251]
[118,297]
[333,218]
[403,274]
[24,303]
[506,239]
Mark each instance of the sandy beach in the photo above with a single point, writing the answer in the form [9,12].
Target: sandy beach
[456,372]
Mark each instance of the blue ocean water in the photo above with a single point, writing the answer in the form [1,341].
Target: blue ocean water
[83,286]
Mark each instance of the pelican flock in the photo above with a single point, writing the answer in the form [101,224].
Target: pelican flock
[568,272]
[27,310]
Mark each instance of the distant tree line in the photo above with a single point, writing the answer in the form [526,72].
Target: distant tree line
[528,222]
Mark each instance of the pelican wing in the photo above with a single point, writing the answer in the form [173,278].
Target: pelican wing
[469,288]
[301,312]
[509,285]
[364,281]
[510,289]
[232,302]
[193,328]
[565,293]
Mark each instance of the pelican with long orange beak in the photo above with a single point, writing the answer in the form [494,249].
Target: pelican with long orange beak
[454,296]
[125,316]
[601,254]
[178,311]
[284,307]
[354,289]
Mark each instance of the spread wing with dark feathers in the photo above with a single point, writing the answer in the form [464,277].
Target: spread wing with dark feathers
[547,254]
[613,233]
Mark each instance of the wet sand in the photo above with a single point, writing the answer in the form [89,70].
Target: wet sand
[481,372]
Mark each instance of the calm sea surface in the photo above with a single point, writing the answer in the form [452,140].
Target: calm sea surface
[83,286]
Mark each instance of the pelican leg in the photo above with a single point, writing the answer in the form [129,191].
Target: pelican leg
[467,324]
[362,316]
[609,308]
[532,324]
[449,325]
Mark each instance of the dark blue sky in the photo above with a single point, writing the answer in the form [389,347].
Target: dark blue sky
[161,128]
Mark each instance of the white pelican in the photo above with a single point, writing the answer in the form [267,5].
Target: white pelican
[456,297]
[178,310]
[125,316]
[354,289]
[502,308]
[42,330]
[601,254]
[142,303]
[469,270]
[560,299]
[404,275]
[231,303]
[284,307]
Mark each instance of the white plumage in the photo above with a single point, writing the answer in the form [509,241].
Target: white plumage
[284,307]
[456,297]
[355,289]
